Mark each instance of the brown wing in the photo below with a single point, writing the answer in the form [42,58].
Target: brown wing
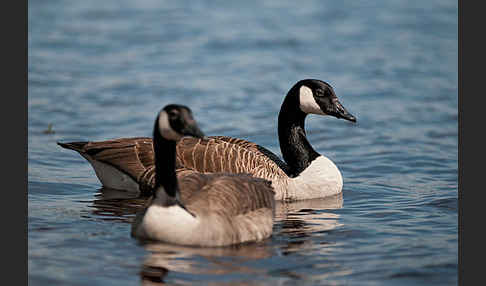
[227,194]
[133,156]
[254,148]
[212,155]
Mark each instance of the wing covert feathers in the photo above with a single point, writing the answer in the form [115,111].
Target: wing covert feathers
[229,195]
[212,155]
[133,156]
[217,154]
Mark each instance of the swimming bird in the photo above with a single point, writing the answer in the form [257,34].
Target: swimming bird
[127,163]
[197,209]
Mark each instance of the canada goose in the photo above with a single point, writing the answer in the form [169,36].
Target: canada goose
[200,209]
[127,163]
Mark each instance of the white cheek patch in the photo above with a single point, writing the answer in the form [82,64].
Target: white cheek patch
[165,129]
[307,102]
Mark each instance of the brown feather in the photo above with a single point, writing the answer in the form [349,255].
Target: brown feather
[227,194]
[133,156]
[254,148]
[233,156]
[217,154]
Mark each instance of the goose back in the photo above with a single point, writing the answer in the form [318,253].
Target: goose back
[255,148]
[227,194]
[236,156]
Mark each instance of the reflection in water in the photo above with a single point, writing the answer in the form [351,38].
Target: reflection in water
[163,257]
[115,205]
[296,223]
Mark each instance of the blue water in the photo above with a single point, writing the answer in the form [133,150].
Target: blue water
[102,69]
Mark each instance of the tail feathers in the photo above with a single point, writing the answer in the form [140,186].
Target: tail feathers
[77,146]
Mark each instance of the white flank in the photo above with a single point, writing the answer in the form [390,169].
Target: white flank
[321,179]
[113,178]
[165,129]
[307,102]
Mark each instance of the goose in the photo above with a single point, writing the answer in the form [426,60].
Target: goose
[197,209]
[127,163]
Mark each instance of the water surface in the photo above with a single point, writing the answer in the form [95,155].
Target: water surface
[102,70]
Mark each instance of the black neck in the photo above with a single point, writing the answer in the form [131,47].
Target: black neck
[165,158]
[296,150]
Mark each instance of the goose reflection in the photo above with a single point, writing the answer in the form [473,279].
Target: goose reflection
[297,224]
[116,205]
[163,257]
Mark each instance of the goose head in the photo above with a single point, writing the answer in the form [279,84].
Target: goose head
[172,123]
[176,121]
[318,97]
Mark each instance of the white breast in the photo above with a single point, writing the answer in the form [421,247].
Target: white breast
[320,179]
[169,224]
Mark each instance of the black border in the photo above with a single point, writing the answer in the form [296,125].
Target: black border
[14,147]
[470,80]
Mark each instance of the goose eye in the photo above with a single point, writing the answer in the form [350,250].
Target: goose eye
[319,93]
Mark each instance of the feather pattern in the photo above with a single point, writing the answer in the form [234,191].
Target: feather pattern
[216,155]
[131,156]
[254,148]
[135,157]
[241,205]
[219,154]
